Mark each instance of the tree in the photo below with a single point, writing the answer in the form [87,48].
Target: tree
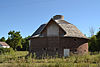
[98,40]
[92,44]
[14,40]
[2,39]
[98,35]
[25,43]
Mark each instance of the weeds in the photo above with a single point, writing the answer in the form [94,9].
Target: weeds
[17,59]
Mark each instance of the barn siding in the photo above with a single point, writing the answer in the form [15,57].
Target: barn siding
[54,45]
[53,30]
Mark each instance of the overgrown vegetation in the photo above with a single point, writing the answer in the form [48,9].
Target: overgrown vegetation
[6,50]
[17,59]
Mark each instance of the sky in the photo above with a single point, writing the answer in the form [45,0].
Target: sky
[27,15]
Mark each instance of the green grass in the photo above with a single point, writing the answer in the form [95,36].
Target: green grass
[17,59]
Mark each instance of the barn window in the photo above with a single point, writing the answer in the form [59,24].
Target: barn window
[56,49]
[84,50]
[44,48]
[75,51]
[75,39]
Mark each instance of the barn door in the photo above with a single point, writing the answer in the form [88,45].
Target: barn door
[66,52]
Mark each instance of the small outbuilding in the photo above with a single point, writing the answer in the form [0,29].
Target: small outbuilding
[4,45]
[58,37]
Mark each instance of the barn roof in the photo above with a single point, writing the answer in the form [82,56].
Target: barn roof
[70,29]
[3,44]
[37,32]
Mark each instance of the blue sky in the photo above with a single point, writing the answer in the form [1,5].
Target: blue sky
[27,15]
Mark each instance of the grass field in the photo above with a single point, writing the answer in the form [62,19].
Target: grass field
[17,59]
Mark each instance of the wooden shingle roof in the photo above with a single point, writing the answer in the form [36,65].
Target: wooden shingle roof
[70,29]
[37,32]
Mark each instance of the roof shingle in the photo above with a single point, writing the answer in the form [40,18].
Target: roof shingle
[70,29]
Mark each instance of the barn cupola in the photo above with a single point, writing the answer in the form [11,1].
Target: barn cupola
[58,17]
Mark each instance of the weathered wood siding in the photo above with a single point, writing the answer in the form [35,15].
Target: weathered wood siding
[54,45]
[53,30]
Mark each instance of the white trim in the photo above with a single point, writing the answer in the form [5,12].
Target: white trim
[4,46]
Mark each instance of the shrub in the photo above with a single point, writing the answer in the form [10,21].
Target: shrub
[5,50]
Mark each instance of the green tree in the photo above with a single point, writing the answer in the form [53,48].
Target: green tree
[92,44]
[25,43]
[98,44]
[14,40]
[98,40]
[3,39]
[98,35]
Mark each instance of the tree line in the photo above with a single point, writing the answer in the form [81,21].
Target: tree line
[16,41]
[94,42]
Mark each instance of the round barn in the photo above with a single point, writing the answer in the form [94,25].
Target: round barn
[58,37]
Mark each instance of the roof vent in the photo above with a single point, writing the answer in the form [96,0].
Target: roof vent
[58,17]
